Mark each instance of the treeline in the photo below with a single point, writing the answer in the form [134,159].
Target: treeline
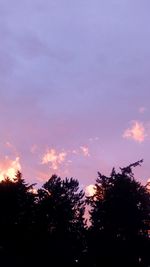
[48,227]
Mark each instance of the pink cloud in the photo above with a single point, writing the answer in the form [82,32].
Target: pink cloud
[136,132]
[85,151]
[54,158]
[12,148]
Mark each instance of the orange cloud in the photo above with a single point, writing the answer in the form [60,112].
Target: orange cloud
[54,158]
[85,151]
[137,132]
[9,168]
[90,190]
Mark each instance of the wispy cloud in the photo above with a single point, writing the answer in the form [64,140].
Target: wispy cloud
[85,151]
[93,139]
[136,132]
[12,148]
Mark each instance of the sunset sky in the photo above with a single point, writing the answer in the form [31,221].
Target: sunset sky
[74,87]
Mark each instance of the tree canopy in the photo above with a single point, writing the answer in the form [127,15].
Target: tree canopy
[120,216]
[47,227]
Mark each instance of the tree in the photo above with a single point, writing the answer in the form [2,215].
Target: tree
[61,221]
[120,214]
[17,204]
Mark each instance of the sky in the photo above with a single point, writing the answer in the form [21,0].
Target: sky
[74,88]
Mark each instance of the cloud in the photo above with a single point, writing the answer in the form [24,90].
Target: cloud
[136,132]
[93,139]
[85,151]
[9,168]
[81,151]
[63,161]
[54,158]
[90,190]
[12,148]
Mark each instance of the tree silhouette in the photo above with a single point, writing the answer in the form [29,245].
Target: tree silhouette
[16,218]
[61,221]
[120,214]
[48,228]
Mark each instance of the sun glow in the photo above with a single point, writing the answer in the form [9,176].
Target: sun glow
[9,168]
[90,190]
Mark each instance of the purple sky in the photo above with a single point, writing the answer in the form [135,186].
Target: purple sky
[74,86]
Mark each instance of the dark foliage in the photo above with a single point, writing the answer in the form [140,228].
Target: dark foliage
[60,220]
[47,227]
[120,216]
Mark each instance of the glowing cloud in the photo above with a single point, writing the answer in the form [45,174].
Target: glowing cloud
[54,158]
[90,190]
[136,132]
[85,151]
[9,168]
